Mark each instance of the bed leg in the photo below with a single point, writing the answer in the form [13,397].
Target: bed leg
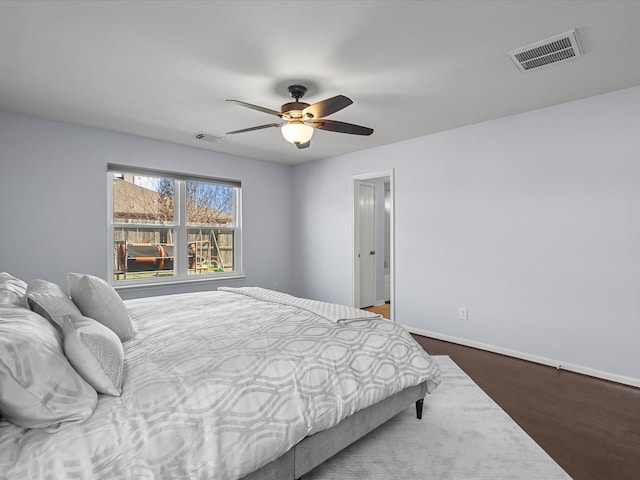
[419,405]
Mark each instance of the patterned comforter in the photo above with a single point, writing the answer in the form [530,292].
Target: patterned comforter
[218,384]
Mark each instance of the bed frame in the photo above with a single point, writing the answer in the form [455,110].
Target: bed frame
[316,448]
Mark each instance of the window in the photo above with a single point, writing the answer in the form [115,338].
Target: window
[167,226]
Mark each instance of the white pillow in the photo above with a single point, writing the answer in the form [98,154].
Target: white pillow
[95,352]
[38,386]
[12,289]
[98,300]
[49,300]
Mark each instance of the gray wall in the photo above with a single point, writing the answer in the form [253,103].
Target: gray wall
[532,222]
[53,201]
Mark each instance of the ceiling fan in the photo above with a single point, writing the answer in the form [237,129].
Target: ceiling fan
[301,118]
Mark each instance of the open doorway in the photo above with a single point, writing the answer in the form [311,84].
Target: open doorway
[372,233]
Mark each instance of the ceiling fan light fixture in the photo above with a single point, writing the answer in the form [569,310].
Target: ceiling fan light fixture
[297,132]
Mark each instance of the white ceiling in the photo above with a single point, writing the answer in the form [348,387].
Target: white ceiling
[163,69]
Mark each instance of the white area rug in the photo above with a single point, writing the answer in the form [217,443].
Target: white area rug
[463,434]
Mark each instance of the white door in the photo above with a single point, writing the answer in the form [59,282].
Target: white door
[367,245]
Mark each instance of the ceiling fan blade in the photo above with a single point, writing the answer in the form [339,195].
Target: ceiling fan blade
[327,107]
[257,107]
[303,145]
[340,127]
[251,129]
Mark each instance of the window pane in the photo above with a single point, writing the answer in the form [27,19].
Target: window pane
[210,250]
[142,253]
[139,199]
[209,204]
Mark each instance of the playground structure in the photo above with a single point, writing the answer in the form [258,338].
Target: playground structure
[134,259]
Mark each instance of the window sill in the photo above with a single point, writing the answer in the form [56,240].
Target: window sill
[168,283]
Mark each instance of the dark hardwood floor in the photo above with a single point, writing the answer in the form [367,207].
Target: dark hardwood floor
[590,427]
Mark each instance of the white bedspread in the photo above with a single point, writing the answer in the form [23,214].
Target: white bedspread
[218,384]
[331,311]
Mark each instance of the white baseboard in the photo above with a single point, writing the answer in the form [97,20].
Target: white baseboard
[612,377]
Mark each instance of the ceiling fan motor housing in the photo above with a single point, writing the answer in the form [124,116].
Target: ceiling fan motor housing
[293,109]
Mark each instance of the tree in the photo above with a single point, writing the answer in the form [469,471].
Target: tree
[165,187]
[209,204]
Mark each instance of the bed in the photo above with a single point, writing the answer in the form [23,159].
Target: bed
[228,384]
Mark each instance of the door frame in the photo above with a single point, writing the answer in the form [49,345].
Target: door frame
[355,236]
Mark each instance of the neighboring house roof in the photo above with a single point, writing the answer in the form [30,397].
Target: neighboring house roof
[131,201]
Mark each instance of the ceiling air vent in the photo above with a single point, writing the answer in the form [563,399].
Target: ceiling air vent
[546,52]
[207,137]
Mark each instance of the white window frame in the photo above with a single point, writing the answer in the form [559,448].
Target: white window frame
[180,226]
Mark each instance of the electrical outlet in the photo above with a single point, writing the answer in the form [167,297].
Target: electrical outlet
[275,285]
[463,314]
